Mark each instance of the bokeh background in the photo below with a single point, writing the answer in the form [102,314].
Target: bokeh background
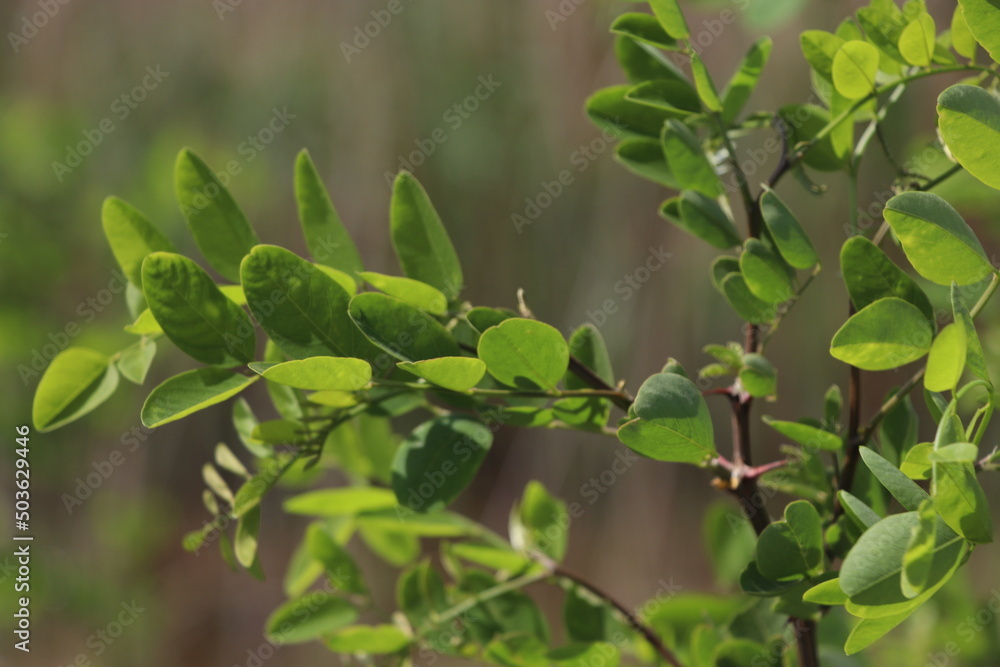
[227,67]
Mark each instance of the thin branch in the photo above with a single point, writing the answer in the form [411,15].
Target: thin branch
[647,632]
[865,432]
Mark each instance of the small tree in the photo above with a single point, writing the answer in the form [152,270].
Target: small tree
[348,350]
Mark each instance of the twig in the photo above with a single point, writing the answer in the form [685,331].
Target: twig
[647,632]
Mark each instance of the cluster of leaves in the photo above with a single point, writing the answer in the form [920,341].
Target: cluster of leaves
[346,351]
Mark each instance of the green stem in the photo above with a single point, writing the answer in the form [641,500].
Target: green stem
[865,432]
[520,393]
[849,112]
[741,180]
[465,605]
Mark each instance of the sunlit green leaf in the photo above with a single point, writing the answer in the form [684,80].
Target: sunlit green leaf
[220,228]
[886,334]
[194,314]
[190,392]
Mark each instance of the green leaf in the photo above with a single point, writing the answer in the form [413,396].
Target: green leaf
[917,464]
[870,275]
[902,488]
[438,460]
[916,43]
[190,392]
[136,359]
[828,593]
[525,353]
[400,329]
[883,27]
[870,630]
[668,13]
[885,334]
[833,404]
[820,47]
[145,325]
[969,122]
[301,308]
[758,376]
[644,157]
[687,160]
[983,20]
[860,513]
[341,570]
[675,98]
[644,28]
[722,267]
[318,373]
[704,218]
[946,360]
[804,122]
[742,85]
[245,540]
[584,655]
[789,238]
[430,524]
[672,424]
[936,240]
[962,39]
[919,554]
[414,292]
[898,431]
[194,313]
[326,237]
[743,301]
[974,359]
[219,227]
[587,617]
[743,653]
[349,284]
[960,500]
[765,273]
[347,501]
[309,617]
[421,242]
[540,523]
[587,345]
[707,93]
[791,548]
[370,640]
[957,452]
[871,574]
[77,380]
[611,110]
[454,373]
[131,236]
[806,435]
[495,558]
[854,68]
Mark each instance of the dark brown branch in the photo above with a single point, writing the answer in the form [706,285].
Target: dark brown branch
[647,632]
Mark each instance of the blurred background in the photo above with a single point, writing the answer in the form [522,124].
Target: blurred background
[212,76]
